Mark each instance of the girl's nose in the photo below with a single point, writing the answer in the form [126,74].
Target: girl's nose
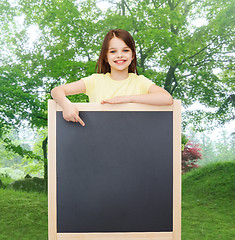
[120,54]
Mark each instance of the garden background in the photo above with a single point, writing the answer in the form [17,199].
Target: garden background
[184,46]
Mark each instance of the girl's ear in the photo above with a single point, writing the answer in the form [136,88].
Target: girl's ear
[133,56]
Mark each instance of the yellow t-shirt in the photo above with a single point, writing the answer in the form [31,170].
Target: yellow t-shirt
[101,87]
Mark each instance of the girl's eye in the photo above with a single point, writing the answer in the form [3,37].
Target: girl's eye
[126,50]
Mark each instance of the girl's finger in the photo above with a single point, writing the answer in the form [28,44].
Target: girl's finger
[78,119]
[107,101]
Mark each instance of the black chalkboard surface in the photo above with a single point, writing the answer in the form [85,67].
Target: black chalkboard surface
[116,173]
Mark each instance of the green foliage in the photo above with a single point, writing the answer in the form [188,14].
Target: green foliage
[184,141]
[31,165]
[19,150]
[10,158]
[15,155]
[5,179]
[185,55]
[172,51]
[12,173]
[21,99]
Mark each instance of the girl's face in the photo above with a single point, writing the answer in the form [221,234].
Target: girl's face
[119,55]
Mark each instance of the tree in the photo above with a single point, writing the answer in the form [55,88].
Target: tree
[172,51]
[29,73]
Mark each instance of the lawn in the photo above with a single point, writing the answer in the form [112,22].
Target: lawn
[23,215]
[208,203]
[208,207]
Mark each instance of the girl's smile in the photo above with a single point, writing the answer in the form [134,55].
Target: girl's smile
[120,61]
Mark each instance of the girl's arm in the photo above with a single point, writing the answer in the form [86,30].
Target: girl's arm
[156,96]
[70,112]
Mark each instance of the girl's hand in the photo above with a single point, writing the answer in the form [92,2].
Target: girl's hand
[118,99]
[71,113]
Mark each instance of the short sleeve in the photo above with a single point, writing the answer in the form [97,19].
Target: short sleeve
[145,84]
[89,83]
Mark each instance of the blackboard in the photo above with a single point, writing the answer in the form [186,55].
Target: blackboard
[115,175]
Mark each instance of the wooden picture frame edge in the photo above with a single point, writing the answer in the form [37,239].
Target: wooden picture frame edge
[177,170]
[116,236]
[52,225]
[119,107]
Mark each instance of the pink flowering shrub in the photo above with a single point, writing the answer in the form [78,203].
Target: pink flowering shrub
[190,156]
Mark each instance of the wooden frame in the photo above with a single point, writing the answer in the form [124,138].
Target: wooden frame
[53,107]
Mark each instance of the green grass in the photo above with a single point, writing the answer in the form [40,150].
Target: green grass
[23,215]
[208,203]
[208,207]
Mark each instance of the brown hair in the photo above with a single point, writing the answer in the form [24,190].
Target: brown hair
[102,66]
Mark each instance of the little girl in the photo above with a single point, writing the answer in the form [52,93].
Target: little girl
[116,80]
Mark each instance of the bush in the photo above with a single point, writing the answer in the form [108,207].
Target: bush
[190,156]
[29,184]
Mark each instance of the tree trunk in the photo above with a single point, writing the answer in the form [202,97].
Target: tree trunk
[170,78]
[44,148]
[142,59]
[123,8]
